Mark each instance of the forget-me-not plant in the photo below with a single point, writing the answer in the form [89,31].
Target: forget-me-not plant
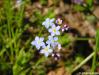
[48,48]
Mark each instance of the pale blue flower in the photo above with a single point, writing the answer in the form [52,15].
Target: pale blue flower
[48,22]
[54,45]
[51,40]
[46,50]
[38,42]
[54,30]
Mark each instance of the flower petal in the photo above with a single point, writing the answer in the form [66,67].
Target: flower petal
[46,54]
[52,20]
[50,50]
[37,46]
[33,42]
[41,39]
[55,38]
[50,30]
[36,38]
[58,27]
[52,34]
[58,33]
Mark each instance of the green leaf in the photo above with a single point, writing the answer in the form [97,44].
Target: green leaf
[63,40]
[89,2]
[95,51]
[43,2]
[22,58]
[97,40]
[79,8]
[91,18]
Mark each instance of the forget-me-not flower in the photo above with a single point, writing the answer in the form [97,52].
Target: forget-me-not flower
[52,41]
[54,30]
[38,42]
[48,22]
[46,50]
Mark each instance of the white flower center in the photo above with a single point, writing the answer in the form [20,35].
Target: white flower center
[46,49]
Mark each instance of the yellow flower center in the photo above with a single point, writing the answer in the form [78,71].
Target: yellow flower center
[59,22]
[54,30]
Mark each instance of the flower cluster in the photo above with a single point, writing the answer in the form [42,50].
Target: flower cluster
[48,47]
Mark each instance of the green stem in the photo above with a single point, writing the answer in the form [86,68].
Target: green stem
[94,62]
[42,28]
[9,16]
[97,48]
[12,41]
[84,38]
[83,62]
